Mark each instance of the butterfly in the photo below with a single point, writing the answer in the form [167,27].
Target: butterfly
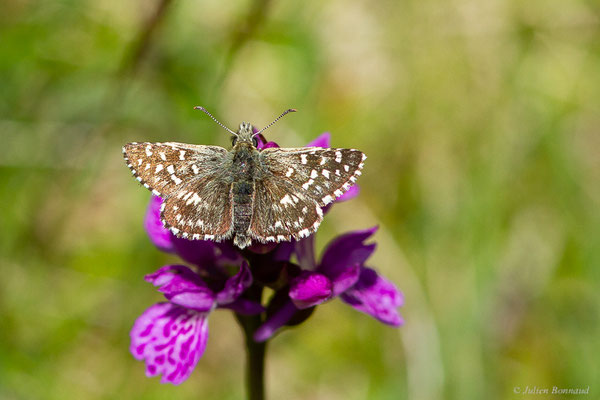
[268,195]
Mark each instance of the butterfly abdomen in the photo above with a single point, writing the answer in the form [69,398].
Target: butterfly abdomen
[243,193]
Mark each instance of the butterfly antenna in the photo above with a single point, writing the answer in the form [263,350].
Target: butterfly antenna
[214,119]
[277,119]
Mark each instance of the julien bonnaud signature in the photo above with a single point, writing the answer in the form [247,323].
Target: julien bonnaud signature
[533,390]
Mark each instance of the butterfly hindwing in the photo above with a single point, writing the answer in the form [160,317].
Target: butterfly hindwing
[282,211]
[201,209]
[323,174]
[164,167]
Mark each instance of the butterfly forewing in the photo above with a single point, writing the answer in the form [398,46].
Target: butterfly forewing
[164,167]
[322,174]
[200,209]
[282,211]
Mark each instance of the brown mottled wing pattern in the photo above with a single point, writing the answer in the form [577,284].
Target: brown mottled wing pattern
[202,209]
[163,167]
[191,181]
[282,211]
[297,182]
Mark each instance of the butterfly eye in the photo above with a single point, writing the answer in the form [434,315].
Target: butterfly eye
[233,140]
[254,142]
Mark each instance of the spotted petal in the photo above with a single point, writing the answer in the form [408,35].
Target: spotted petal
[170,339]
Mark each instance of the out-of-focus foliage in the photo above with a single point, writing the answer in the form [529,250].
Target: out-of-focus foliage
[481,123]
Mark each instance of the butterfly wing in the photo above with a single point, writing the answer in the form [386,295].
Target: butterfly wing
[201,209]
[282,211]
[164,167]
[324,174]
[192,182]
[297,183]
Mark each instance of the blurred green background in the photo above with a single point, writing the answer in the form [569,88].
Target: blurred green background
[481,123]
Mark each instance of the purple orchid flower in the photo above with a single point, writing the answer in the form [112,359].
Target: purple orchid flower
[171,337]
[342,273]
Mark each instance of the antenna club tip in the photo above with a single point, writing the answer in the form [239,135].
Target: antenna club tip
[293,110]
[199,108]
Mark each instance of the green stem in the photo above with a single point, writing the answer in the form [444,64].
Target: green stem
[255,352]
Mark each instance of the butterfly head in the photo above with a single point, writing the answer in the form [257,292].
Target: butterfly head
[245,134]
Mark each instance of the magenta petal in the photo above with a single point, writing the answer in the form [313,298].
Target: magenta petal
[170,339]
[202,301]
[158,234]
[345,251]
[322,140]
[262,142]
[183,286]
[346,279]
[310,289]
[351,193]
[276,321]
[375,296]
[173,279]
[235,285]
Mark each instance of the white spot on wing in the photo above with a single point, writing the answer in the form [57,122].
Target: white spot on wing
[303,158]
[287,200]
[304,233]
[307,184]
[338,156]
[176,179]
[182,155]
[159,168]
[289,172]
[313,174]
[325,173]
[163,156]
